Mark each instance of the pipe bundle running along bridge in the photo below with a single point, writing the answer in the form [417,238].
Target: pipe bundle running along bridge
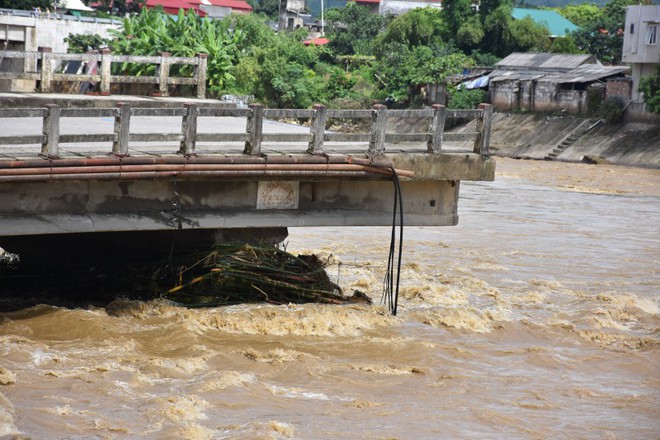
[137,177]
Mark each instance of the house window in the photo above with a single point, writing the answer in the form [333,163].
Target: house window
[652,34]
[632,28]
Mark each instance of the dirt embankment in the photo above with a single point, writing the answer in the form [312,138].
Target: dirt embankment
[574,139]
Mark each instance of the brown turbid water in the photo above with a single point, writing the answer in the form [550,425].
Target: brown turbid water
[537,317]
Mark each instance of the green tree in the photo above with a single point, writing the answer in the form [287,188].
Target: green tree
[487,7]
[581,15]
[603,37]
[456,13]
[615,11]
[402,70]
[527,36]
[496,31]
[28,5]
[430,68]
[270,8]
[352,29]
[564,45]
[470,34]
[416,27]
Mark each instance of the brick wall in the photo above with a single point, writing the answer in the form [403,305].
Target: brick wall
[619,87]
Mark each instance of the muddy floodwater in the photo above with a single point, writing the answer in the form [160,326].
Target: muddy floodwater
[537,317]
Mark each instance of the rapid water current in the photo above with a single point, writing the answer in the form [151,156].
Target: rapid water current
[537,317]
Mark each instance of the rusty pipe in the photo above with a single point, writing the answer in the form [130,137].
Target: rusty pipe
[177,159]
[151,175]
[121,169]
[179,168]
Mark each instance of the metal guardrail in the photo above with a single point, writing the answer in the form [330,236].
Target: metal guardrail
[253,136]
[47,63]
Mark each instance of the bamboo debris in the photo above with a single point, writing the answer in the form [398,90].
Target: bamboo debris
[241,273]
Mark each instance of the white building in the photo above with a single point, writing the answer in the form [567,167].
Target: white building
[641,44]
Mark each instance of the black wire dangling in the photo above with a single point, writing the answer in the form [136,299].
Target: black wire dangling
[390,289]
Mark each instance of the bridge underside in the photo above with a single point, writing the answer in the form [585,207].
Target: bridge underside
[47,209]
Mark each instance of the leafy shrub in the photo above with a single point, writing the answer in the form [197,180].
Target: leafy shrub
[466,98]
[650,86]
[82,43]
[612,110]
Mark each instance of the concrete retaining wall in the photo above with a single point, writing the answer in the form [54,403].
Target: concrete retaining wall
[534,136]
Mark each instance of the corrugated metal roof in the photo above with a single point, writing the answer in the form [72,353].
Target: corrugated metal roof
[584,74]
[515,75]
[558,25]
[545,61]
[581,74]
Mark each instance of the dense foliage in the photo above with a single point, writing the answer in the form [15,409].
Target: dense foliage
[650,86]
[151,32]
[370,58]
[27,5]
[601,29]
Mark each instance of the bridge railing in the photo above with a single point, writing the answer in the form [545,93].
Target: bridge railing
[43,66]
[377,137]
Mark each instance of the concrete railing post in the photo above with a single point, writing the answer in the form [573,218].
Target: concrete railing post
[189,130]
[50,143]
[254,130]
[200,74]
[46,68]
[317,129]
[106,73]
[482,142]
[437,128]
[379,124]
[163,73]
[485,128]
[122,129]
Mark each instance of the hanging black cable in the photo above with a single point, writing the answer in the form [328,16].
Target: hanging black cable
[390,289]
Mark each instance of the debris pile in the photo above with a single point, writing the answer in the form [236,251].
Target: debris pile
[230,273]
[239,273]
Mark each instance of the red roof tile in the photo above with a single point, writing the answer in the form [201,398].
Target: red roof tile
[233,4]
[173,6]
[320,41]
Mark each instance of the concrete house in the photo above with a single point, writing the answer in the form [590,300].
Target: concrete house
[292,14]
[548,82]
[641,44]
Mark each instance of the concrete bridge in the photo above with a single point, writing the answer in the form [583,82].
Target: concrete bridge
[75,179]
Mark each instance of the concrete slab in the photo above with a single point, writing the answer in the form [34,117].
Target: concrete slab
[8,100]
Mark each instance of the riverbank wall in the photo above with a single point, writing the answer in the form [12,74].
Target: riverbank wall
[573,139]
